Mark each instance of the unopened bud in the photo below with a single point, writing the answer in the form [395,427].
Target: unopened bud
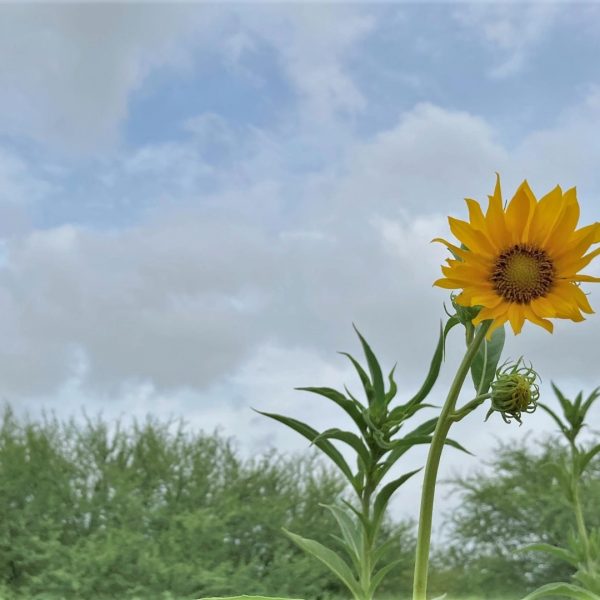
[514,391]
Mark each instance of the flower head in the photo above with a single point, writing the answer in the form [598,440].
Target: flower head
[514,391]
[522,261]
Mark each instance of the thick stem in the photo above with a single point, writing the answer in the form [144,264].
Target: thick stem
[433,462]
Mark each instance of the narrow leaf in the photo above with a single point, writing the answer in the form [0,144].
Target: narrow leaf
[434,370]
[311,434]
[348,406]
[586,457]
[559,553]
[364,378]
[562,589]
[383,497]
[330,558]
[349,438]
[554,416]
[374,369]
[352,534]
[380,575]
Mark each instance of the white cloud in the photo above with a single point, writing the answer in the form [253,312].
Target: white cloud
[512,30]
[67,70]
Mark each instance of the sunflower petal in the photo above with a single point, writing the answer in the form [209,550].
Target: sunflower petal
[519,213]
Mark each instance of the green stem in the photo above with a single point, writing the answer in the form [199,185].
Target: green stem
[579,518]
[462,412]
[433,462]
[367,544]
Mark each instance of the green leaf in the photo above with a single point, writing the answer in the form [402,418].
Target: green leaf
[353,536]
[559,553]
[564,403]
[364,378]
[311,434]
[380,575]
[375,370]
[485,363]
[349,438]
[434,368]
[347,405]
[586,457]
[383,497]
[562,589]
[555,417]
[590,400]
[382,549]
[391,393]
[330,558]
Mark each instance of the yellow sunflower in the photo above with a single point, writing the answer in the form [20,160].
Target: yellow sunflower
[522,261]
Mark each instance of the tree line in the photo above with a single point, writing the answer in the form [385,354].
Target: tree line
[156,511]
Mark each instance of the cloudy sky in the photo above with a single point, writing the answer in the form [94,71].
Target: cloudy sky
[197,201]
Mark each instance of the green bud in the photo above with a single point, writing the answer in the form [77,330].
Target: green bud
[514,391]
[465,314]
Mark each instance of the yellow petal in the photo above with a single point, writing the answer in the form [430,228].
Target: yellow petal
[546,213]
[473,239]
[565,224]
[516,317]
[495,221]
[448,284]
[475,214]
[519,213]
[572,266]
[535,318]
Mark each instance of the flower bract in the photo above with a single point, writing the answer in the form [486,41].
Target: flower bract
[522,261]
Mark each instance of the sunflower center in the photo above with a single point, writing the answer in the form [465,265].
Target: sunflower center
[523,273]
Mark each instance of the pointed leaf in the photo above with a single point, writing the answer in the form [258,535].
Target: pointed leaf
[391,393]
[364,378]
[555,417]
[380,575]
[586,457]
[311,434]
[330,558]
[353,537]
[589,401]
[374,369]
[383,497]
[562,589]
[559,553]
[485,363]
[349,438]
[348,406]
[434,369]
[382,549]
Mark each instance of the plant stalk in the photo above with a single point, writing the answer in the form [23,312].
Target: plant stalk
[433,463]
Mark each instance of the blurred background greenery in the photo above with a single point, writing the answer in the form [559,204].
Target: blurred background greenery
[154,511]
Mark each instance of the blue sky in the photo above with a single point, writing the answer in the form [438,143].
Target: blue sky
[197,200]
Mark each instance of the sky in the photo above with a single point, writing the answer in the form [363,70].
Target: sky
[198,200]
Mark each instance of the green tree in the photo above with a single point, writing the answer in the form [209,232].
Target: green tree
[513,502]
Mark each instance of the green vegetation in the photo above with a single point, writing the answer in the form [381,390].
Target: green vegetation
[155,512]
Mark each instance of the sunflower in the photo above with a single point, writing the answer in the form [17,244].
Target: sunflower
[522,261]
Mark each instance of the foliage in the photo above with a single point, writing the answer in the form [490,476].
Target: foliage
[582,550]
[377,447]
[516,501]
[153,511]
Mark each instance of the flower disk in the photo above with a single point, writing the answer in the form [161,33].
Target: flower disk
[522,262]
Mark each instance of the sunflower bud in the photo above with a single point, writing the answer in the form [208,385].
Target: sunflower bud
[514,391]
